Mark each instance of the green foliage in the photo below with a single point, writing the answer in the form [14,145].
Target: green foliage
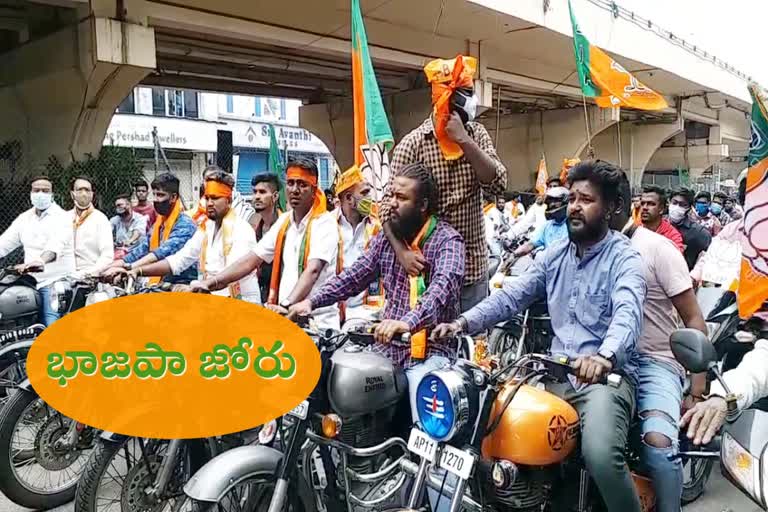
[113,172]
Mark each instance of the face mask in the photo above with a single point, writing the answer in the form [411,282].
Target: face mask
[465,105]
[163,207]
[557,214]
[41,200]
[728,208]
[676,213]
[120,211]
[716,209]
[364,206]
[702,209]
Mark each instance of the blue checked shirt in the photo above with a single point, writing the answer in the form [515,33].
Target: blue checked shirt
[596,302]
[444,252]
[180,234]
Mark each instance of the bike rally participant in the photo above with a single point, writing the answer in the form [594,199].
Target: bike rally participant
[128,226]
[199,213]
[594,284]
[172,229]
[514,210]
[461,156]
[304,244]
[265,200]
[42,233]
[220,241]
[670,297]
[696,239]
[357,228]
[702,215]
[555,228]
[653,203]
[413,304]
[143,206]
[91,231]
[717,207]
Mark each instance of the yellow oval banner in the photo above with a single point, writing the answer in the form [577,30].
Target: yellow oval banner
[173,365]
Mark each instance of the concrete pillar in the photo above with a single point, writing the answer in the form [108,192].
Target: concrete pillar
[632,145]
[558,134]
[333,122]
[61,91]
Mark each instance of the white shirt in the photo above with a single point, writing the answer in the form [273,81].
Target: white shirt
[749,380]
[243,242]
[323,245]
[354,246]
[508,213]
[94,243]
[534,218]
[51,231]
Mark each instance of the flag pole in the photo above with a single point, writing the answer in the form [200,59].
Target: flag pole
[590,149]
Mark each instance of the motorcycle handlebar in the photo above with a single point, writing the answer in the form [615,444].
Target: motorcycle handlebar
[561,366]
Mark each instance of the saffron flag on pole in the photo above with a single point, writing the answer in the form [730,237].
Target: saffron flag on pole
[753,280]
[541,176]
[373,135]
[605,80]
[275,165]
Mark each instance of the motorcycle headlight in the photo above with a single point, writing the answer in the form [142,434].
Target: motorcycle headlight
[58,290]
[442,404]
[743,467]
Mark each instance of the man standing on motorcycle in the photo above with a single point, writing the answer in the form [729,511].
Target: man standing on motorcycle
[413,304]
[173,228]
[555,228]
[42,231]
[595,287]
[303,243]
[661,377]
[222,239]
[357,228]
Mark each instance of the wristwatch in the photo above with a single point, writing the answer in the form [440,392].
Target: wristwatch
[610,356]
[285,304]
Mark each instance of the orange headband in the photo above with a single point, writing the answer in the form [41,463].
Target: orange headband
[217,189]
[297,173]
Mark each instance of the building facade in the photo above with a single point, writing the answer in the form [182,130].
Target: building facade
[189,125]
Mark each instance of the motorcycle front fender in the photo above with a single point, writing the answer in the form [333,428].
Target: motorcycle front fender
[112,437]
[219,475]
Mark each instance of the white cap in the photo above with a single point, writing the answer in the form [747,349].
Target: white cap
[557,192]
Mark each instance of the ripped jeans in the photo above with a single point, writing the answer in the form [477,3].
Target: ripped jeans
[659,399]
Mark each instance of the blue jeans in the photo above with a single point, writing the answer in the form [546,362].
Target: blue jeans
[47,314]
[659,399]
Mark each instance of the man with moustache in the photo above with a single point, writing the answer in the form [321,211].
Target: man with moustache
[91,231]
[595,287]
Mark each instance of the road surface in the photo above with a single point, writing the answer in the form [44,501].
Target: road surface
[720,496]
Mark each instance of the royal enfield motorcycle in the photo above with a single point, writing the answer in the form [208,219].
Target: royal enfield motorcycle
[498,440]
[341,448]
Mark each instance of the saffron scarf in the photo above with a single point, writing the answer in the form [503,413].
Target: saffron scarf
[446,76]
[488,208]
[79,220]
[166,223]
[418,285]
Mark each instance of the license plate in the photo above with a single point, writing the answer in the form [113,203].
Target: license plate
[301,410]
[457,462]
[422,445]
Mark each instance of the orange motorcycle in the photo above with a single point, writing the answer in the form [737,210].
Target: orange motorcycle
[497,440]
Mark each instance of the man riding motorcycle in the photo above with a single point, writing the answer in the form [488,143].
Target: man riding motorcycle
[413,304]
[555,228]
[595,287]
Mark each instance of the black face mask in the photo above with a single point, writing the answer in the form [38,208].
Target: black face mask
[164,208]
[557,214]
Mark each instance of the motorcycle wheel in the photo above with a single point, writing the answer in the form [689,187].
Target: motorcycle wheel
[699,471]
[252,495]
[26,418]
[116,476]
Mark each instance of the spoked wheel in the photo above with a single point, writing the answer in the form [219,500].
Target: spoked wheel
[38,468]
[118,478]
[252,495]
[696,473]
[13,371]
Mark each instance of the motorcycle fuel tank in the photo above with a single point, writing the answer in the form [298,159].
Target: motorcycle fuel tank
[363,382]
[536,429]
[18,301]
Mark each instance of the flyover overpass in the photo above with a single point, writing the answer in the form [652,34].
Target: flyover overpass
[66,65]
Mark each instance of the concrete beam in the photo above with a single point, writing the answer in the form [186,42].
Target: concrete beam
[692,157]
[62,90]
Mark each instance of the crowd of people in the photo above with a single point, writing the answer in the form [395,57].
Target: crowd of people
[618,272]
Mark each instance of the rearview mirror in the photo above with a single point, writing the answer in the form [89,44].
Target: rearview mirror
[693,350]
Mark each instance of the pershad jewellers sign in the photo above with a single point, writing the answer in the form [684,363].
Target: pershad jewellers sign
[136,131]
